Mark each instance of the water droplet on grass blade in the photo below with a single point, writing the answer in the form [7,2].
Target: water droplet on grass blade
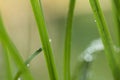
[19,78]
[50,40]
[28,65]
[117,49]
[94,20]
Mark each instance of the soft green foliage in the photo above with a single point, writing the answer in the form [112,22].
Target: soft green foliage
[68,36]
[37,9]
[8,44]
[106,38]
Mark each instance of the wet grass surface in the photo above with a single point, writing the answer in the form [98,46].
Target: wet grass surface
[84,32]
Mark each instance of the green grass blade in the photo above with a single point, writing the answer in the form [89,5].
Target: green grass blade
[37,9]
[7,63]
[28,62]
[116,11]
[67,45]
[106,38]
[13,52]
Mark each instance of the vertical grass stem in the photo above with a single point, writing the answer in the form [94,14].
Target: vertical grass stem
[38,13]
[67,45]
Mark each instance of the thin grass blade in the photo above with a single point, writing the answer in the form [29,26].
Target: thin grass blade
[67,46]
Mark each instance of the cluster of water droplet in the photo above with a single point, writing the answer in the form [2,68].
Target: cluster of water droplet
[87,54]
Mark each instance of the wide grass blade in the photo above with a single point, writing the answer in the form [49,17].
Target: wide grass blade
[68,36]
[106,38]
[37,9]
[7,63]
[13,52]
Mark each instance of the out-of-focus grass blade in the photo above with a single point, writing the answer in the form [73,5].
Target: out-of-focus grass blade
[68,36]
[81,70]
[106,38]
[116,11]
[37,9]
[116,14]
[7,63]
[13,52]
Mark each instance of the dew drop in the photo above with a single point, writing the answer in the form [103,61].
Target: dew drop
[50,40]
[28,65]
[94,20]
[19,78]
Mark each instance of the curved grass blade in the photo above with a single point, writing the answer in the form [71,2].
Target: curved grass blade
[7,63]
[38,13]
[67,46]
[106,38]
[28,62]
[33,56]
[13,52]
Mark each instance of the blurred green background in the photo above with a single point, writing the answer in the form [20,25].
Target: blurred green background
[20,24]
